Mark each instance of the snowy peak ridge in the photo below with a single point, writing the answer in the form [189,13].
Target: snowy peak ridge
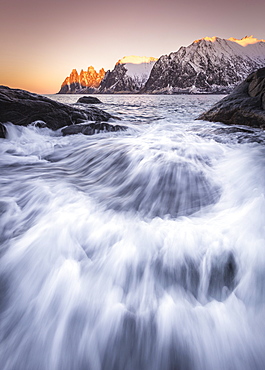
[247,40]
[211,65]
[134,59]
[208,65]
[247,47]
[211,39]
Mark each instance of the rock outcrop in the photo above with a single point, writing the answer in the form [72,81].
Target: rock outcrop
[92,128]
[89,100]
[128,76]
[86,82]
[244,106]
[208,65]
[23,108]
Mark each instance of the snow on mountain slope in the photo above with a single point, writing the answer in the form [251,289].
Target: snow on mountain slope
[135,59]
[207,65]
[128,76]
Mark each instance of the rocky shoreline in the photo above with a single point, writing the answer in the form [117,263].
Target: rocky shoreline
[23,108]
[244,106]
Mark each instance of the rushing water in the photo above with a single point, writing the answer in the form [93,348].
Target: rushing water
[135,250]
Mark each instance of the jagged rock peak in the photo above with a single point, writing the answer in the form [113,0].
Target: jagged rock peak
[134,59]
[85,82]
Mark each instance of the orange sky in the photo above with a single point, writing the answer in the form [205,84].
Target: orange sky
[42,41]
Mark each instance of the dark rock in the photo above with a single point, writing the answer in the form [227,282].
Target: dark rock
[240,107]
[89,100]
[117,81]
[2,131]
[40,124]
[64,89]
[257,84]
[22,108]
[91,128]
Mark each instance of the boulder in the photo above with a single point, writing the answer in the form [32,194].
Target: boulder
[91,128]
[89,100]
[244,106]
[22,108]
[256,86]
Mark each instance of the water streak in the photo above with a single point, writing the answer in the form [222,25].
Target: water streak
[134,250]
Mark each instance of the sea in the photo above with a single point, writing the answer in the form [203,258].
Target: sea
[141,249]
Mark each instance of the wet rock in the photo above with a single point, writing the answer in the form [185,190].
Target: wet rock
[92,128]
[244,106]
[22,108]
[2,131]
[256,86]
[89,100]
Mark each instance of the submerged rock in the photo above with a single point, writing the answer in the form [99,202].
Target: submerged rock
[244,106]
[2,131]
[22,108]
[89,100]
[91,128]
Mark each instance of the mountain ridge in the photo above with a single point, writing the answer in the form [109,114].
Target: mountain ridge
[85,82]
[207,65]
[128,76]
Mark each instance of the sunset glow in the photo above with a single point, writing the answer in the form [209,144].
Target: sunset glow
[212,39]
[131,189]
[42,42]
[136,59]
[248,40]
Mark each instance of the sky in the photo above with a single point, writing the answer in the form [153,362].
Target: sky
[41,41]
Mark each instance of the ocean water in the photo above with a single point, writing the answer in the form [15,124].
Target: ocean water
[134,250]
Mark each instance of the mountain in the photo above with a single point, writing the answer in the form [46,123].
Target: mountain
[128,76]
[85,82]
[207,65]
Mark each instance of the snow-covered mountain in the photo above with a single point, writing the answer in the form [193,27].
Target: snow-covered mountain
[128,76]
[85,82]
[208,65]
